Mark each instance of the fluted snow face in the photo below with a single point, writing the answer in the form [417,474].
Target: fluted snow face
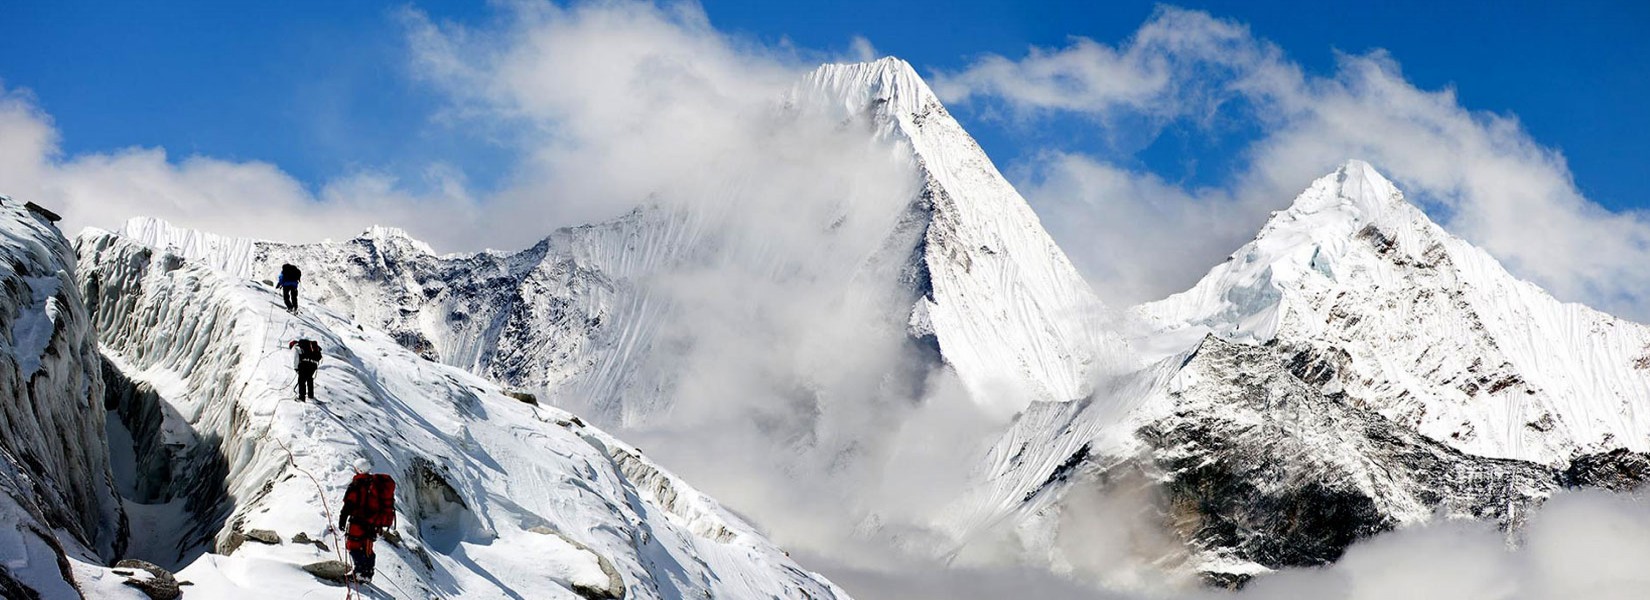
[229,254]
[497,498]
[1437,334]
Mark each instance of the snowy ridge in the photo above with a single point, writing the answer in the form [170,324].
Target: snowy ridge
[497,499]
[1437,334]
[232,255]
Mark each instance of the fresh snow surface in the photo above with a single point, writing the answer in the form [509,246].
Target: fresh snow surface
[496,498]
[1439,335]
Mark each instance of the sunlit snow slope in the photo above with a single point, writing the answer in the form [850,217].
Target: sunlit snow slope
[498,498]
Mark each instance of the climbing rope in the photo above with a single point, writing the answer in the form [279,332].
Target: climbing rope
[350,591]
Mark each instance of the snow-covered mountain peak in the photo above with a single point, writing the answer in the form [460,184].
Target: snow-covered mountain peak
[1355,189]
[383,236]
[1005,305]
[1426,327]
[886,80]
[1341,222]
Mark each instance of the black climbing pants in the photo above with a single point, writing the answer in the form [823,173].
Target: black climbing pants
[358,540]
[289,296]
[306,382]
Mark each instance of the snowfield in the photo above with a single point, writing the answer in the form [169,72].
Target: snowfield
[497,497]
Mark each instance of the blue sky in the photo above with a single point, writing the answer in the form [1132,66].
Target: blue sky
[1151,139]
[320,88]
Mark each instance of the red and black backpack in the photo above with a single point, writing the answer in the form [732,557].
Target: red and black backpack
[378,501]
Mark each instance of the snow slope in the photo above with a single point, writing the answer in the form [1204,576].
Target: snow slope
[498,498]
[580,315]
[1435,332]
[60,517]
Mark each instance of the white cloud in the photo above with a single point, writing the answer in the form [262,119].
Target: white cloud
[1585,544]
[1481,172]
[252,199]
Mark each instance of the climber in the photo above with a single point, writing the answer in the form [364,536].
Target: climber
[289,286]
[369,508]
[306,359]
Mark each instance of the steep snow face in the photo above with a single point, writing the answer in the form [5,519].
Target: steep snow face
[59,512]
[1434,332]
[1010,312]
[497,497]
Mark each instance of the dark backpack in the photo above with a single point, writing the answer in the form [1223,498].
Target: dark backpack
[378,505]
[291,273]
[309,350]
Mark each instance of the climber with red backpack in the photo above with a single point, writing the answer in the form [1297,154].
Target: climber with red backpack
[306,360]
[369,508]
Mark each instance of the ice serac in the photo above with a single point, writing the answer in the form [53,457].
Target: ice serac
[60,516]
[497,497]
[1426,328]
[1009,311]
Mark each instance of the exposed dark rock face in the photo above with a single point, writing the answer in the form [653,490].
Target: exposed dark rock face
[1619,470]
[1259,464]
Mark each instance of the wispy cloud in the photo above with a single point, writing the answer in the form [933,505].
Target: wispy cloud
[1480,172]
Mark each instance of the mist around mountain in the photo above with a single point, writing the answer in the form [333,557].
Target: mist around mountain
[803,339]
[918,377]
